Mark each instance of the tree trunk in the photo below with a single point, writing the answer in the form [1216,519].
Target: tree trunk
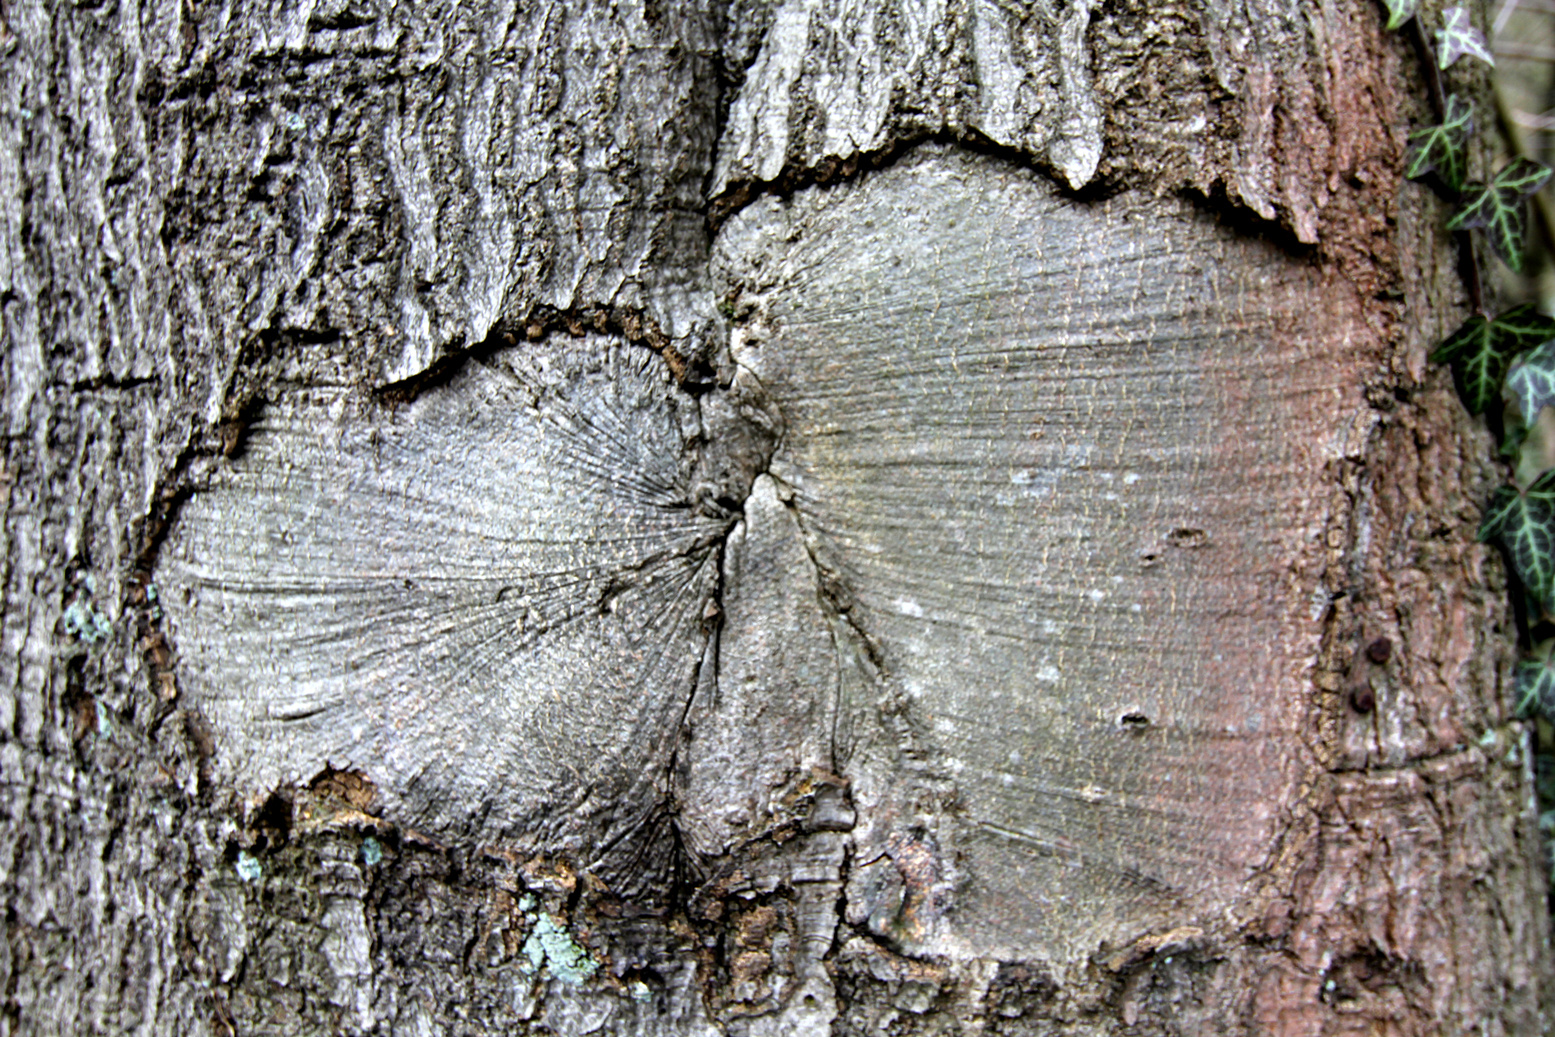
[789,518]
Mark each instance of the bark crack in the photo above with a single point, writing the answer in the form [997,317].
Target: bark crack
[692,371]
[833,171]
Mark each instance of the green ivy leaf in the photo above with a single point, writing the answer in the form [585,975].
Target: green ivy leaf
[1530,385]
[1443,148]
[1400,11]
[1524,522]
[1458,37]
[1472,334]
[1533,682]
[1482,374]
[1484,348]
[1524,327]
[1500,208]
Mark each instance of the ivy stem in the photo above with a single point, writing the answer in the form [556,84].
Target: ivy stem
[1468,260]
[1433,74]
[1468,267]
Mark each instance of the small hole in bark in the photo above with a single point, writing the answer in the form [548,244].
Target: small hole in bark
[1379,650]
[1186,536]
[700,377]
[276,816]
[1363,699]
[1133,721]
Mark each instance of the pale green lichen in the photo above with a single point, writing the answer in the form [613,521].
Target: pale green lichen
[372,851]
[248,866]
[552,946]
[82,620]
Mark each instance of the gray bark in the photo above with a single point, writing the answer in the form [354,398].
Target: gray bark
[793,518]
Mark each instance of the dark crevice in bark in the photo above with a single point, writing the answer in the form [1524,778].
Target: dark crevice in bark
[835,599]
[729,81]
[108,383]
[703,678]
[693,373]
[205,446]
[841,169]
[1218,205]
[173,489]
[249,382]
[1421,764]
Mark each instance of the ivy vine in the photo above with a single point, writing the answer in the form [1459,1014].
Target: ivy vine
[1505,364]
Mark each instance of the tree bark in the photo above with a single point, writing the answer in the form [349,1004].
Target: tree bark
[767,518]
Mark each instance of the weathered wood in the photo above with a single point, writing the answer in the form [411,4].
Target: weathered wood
[490,601]
[853,517]
[1060,466]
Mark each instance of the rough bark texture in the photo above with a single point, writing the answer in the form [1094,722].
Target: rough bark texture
[665,519]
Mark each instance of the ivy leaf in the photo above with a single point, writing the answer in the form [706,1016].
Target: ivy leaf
[1400,11]
[1484,347]
[1530,386]
[1524,522]
[1533,682]
[1472,334]
[1481,359]
[1457,38]
[1524,327]
[1443,148]
[1500,208]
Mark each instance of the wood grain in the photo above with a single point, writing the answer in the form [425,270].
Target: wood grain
[1059,467]
[490,601]
[992,577]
